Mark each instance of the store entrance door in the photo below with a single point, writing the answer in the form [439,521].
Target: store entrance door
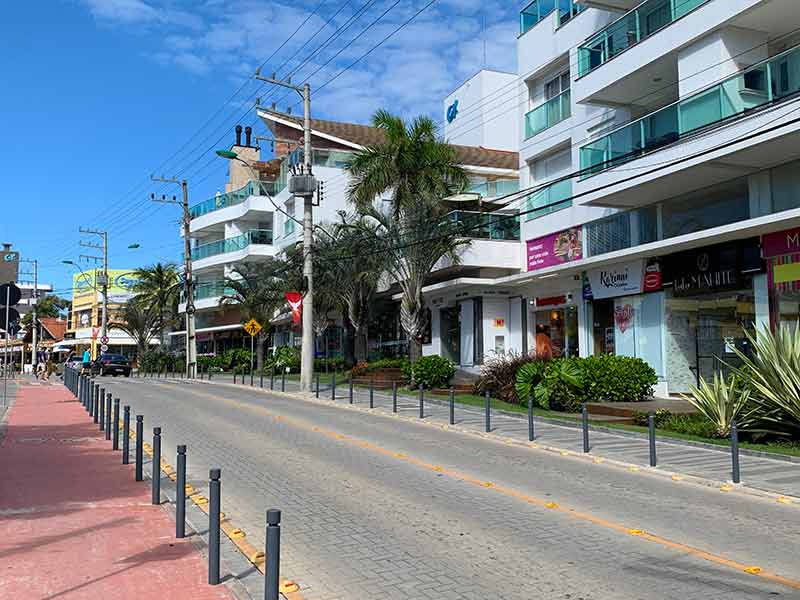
[450,323]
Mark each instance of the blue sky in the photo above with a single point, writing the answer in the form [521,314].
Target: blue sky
[102,93]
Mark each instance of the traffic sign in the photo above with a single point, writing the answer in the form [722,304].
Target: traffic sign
[11,293]
[104,339]
[103,348]
[252,327]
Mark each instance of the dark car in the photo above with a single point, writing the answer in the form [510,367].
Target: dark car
[112,364]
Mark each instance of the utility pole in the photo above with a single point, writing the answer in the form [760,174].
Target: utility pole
[191,337]
[103,278]
[35,318]
[304,185]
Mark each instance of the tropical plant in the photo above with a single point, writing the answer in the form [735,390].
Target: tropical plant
[432,372]
[49,306]
[499,376]
[772,375]
[723,402]
[610,378]
[416,168]
[285,358]
[556,384]
[257,289]
[139,321]
[158,288]
[527,378]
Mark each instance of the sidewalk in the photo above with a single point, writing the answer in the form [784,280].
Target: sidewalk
[74,523]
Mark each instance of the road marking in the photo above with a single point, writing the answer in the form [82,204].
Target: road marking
[513,493]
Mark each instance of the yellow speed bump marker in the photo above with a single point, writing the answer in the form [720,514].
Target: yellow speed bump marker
[784,500]
[189,488]
[565,453]
[287,587]
[636,531]
[633,469]
[676,478]
[753,570]
[257,557]
[198,499]
[597,460]
[726,488]
[551,505]
[237,534]
[487,484]
[438,469]
[172,476]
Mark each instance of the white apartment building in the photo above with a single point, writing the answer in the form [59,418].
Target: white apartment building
[658,142]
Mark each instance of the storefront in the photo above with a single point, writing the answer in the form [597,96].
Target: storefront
[713,295]
[782,253]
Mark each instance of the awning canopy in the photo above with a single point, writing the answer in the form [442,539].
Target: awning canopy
[210,329]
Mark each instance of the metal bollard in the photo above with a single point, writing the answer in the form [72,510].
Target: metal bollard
[488,407]
[585,424]
[531,432]
[452,406]
[139,447]
[109,402]
[156,464]
[261,379]
[651,427]
[251,377]
[126,435]
[333,387]
[283,380]
[96,405]
[394,396]
[735,453]
[180,494]
[272,378]
[234,377]
[272,570]
[115,437]
[102,410]
[372,393]
[213,526]
[317,390]
[351,389]
[421,401]
[209,372]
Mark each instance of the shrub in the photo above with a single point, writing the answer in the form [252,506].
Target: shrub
[235,358]
[561,387]
[723,402]
[696,425]
[285,358]
[432,372]
[388,363]
[529,376]
[609,378]
[329,364]
[156,361]
[359,369]
[641,418]
[499,376]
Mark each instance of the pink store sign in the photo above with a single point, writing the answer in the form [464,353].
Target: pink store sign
[555,249]
[781,243]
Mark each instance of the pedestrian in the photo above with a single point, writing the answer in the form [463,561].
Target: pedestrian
[40,370]
[87,361]
[49,368]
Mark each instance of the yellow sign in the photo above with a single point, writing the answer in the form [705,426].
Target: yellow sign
[86,285]
[252,327]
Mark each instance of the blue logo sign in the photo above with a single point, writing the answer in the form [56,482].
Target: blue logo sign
[452,112]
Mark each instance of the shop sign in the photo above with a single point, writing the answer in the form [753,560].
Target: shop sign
[614,281]
[499,323]
[781,243]
[550,301]
[714,268]
[555,249]
[652,276]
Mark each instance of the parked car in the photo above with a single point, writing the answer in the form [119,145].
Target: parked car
[112,364]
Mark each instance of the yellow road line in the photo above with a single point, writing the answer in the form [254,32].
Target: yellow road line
[513,493]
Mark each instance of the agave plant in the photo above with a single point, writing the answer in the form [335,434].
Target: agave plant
[724,401]
[773,376]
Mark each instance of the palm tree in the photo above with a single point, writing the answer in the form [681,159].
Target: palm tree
[158,287]
[258,290]
[47,307]
[413,161]
[417,169]
[139,321]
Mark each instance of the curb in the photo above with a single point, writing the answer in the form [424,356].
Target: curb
[723,486]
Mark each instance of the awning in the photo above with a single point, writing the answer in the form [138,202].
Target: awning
[210,329]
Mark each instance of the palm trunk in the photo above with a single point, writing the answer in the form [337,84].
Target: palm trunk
[260,351]
[360,344]
[349,341]
[414,350]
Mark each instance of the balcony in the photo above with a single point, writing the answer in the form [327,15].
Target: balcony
[761,85]
[240,242]
[539,9]
[495,189]
[630,29]
[235,197]
[487,226]
[554,197]
[212,289]
[548,114]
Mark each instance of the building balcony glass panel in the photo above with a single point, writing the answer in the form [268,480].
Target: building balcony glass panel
[495,189]
[539,9]
[630,29]
[487,226]
[209,289]
[548,114]
[253,188]
[771,81]
[548,200]
[240,242]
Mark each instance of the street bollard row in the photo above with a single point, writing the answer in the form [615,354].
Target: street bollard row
[105,411]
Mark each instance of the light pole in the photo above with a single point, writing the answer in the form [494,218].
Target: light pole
[35,316]
[103,277]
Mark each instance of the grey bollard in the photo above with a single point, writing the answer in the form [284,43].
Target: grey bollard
[421,401]
[372,393]
[651,429]
[180,494]
[234,376]
[139,451]
[115,437]
[735,453]
[213,526]
[272,570]
[156,465]
[96,405]
[109,402]
[101,417]
[351,389]
[394,396]
[333,387]
[452,406]
[251,377]
[272,378]
[317,390]
[126,435]
[283,380]
[585,425]
[261,379]
[488,410]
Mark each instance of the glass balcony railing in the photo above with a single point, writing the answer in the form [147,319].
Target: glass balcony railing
[539,9]
[211,289]
[487,226]
[253,188]
[240,242]
[548,200]
[548,114]
[495,189]
[771,81]
[630,29]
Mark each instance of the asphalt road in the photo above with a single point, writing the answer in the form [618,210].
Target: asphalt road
[380,507]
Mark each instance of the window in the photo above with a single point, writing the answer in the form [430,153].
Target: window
[556,85]
[288,222]
[721,205]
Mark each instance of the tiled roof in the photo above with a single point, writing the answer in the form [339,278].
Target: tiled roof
[56,327]
[365,135]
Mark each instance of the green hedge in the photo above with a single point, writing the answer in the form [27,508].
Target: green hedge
[608,378]
[432,372]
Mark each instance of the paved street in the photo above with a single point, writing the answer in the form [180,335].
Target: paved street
[380,507]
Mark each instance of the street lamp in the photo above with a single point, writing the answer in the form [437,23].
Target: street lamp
[134,246]
[229,154]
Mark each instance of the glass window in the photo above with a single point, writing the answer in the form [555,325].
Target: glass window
[724,204]
[785,186]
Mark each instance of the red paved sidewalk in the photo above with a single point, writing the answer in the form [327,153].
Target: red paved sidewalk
[74,523]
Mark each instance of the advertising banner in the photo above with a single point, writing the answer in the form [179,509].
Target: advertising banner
[555,249]
[295,300]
